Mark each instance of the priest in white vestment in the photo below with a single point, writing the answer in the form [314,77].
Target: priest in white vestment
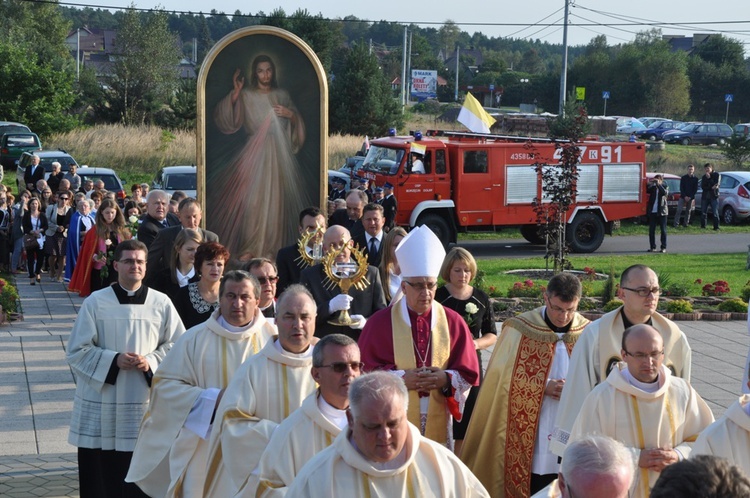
[265,390]
[172,449]
[656,415]
[382,454]
[729,436]
[598,348]
[121,335]
[312,427]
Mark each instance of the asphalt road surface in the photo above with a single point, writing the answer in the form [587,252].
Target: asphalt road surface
[709,243]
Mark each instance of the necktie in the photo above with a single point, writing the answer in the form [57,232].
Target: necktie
[373,249]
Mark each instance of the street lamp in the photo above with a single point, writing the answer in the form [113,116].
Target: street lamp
[523,88]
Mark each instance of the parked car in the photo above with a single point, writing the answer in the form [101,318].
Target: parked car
[734,196]
[338,174]
[13,127]
[672,182]
[648,121]
[352,165]
[112,182]
[657,129]
[742,129]
[173,178]
[12,145]
[629,125]
[46,158]
[704,133]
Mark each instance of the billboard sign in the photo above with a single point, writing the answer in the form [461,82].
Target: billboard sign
[423,84]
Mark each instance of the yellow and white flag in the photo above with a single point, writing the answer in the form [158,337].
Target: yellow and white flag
[474,117]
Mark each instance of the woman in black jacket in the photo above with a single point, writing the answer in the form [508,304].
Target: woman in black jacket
[35,222]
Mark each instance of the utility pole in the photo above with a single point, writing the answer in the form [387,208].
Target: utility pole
[78,54]
[564,75]
[408,70]
[455,97]
[403,74]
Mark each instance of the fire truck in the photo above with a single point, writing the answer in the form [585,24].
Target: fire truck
[477,182]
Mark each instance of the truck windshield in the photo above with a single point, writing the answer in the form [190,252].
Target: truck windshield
[383,160]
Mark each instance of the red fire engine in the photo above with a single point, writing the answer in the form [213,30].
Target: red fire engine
[485,182]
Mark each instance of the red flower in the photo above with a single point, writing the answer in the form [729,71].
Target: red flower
[698,281]
[529,283]
[707,287]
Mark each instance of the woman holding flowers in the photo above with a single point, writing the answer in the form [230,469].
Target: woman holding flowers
[458,270]
[94,270]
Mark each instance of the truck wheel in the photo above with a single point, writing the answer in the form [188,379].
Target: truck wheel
[585,233]
[531,234]
[438,226]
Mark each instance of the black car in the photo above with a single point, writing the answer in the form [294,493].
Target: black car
[704,133]
[659,128]
[46,158]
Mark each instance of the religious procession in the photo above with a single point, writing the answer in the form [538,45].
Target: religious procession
[351,364]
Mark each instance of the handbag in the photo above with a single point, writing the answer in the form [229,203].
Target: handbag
[30,241]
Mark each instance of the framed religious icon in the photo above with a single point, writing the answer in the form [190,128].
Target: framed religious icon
[262,139]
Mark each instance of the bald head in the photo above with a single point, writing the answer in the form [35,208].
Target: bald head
[338,238]
[643,352]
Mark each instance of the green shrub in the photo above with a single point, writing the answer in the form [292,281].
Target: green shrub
[678,289]
[479,280]
[608,293]
[612,305]
[587,304]
[8,297]
[587,288]
[499,306]
[679,306]
[745,293]
[493,291]
[734,305]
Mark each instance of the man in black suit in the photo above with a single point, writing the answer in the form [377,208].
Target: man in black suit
[287,259]
[360,303]
[34,172]
[157,217]
[351,217]
[371,240]
[390,206]
[190,215]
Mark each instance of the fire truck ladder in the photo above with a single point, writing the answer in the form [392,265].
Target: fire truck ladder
[487,136]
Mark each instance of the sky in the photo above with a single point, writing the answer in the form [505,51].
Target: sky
[519,19]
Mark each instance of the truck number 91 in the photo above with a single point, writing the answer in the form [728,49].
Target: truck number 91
[607,154]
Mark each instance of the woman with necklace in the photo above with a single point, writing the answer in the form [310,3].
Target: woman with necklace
[181,270]
[58,216]
[458,270]
[196,301]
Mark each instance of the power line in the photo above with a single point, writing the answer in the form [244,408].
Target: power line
[429,23]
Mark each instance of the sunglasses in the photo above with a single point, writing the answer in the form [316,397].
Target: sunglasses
[64,198]
[267,280]
[341,366]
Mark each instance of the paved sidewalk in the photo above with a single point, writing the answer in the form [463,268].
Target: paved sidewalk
[37,387]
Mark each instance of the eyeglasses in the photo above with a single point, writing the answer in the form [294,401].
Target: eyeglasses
[341,366]
[645,291]
[64,198]
[267,280]
[642,356]
[422,286]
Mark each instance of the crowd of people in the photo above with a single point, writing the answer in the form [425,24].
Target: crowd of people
[198,375]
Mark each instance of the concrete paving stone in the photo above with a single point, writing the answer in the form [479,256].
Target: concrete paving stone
[18,448]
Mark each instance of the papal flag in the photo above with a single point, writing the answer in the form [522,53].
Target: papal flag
[474,117]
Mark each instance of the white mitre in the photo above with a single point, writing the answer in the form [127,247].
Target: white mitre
[420,253]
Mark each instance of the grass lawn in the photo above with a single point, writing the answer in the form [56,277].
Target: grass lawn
[682,269]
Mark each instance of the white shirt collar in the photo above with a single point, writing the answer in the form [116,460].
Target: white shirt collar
[338,417]
[232,328]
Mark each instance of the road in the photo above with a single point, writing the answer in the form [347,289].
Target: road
[710,243]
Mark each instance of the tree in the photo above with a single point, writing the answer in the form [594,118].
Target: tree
[559,183]
[205,41]
[361,101]
[145,70]
[737,151]
[37,94]
[449,34]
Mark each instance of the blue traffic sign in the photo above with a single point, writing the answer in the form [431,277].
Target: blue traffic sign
[729,97]
[605,95]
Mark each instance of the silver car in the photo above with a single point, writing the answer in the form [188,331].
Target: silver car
[734,196]
[174,178]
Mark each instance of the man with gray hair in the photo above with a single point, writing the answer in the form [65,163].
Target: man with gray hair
[264,390]
[34,172]
[384,451]
[172,444]
[312,427]
[157,217]
[592,466]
